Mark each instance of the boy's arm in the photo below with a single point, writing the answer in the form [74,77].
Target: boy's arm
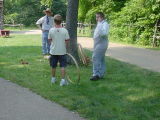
[67,39]
[49,40]
[49,37]
[67,43]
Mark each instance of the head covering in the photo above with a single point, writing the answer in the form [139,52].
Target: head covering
[48,10]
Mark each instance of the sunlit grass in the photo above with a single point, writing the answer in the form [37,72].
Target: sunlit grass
[126,93]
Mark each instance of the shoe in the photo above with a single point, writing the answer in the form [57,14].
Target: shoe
[95,78]
[102,77]
[47,57]
[53,80]
[63,82]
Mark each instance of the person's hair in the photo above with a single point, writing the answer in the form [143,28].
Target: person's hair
[58,19]
[101,14]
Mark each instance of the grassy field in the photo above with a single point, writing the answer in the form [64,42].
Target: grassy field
[126,93]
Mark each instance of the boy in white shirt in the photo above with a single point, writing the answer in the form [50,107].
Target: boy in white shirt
[58,37]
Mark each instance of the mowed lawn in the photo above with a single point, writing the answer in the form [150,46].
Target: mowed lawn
[126,93]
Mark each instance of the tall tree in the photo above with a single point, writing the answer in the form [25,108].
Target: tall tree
[71,25]
[1,14]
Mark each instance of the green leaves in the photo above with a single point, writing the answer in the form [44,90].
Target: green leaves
[141,15]
[27,12]
[88,8]
[131,20]
[47,2]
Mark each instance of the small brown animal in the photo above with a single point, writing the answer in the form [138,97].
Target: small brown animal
[23,62]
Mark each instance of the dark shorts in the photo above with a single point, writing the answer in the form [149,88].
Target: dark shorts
[54,59]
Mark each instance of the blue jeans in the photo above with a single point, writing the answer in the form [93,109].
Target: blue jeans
[99,66]
[45,43]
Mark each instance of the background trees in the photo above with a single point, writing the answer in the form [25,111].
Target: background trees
[22,11]
[28,11]
[135,22]
[131,21]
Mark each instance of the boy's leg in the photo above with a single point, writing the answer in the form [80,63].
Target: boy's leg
[63,64]
[63,72]
[53,78]
[53,71]
[63,81]
[53,63]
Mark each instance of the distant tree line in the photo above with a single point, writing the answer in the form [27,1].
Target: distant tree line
[28,11]
[131,21]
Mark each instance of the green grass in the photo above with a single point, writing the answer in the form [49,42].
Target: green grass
[127,92]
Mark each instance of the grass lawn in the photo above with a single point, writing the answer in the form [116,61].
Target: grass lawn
[127,92]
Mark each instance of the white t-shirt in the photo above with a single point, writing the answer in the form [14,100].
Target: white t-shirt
[58,36]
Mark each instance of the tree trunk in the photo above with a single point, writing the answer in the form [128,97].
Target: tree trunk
[1,14]
[71,25]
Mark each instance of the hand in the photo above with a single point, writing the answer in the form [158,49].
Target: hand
[42,30]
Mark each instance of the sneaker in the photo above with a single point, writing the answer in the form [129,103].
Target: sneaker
[47,57]
[53,80]
[95,78]
[63,82]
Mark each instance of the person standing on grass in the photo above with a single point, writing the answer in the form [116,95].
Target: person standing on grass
[100,47]
[45,24]
[58,37]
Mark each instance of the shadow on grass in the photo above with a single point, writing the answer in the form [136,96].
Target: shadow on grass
[126,93]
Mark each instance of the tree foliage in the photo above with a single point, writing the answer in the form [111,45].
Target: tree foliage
[88,8]
[22,11]
[131,21]
[28,11]
[135,22]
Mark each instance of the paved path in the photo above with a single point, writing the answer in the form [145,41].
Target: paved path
[27,32]
[145,58]
[17,103]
